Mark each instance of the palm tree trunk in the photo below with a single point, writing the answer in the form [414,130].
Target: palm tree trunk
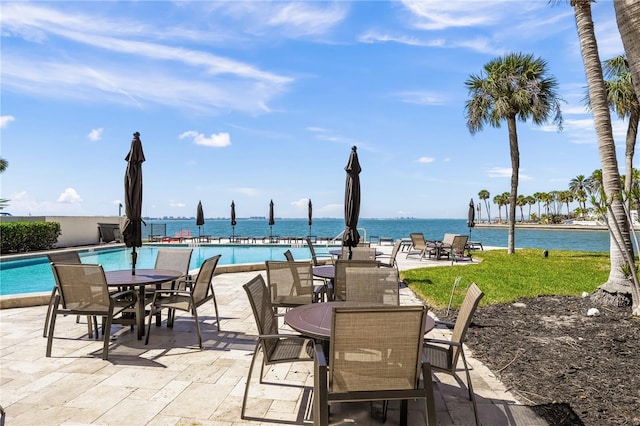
[515,168]
[617,288]
[632,134]
[628,19]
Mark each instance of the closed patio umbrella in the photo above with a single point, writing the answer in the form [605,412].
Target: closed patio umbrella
[310,216]
[132,232]
[350,237]
[471,218]
[271,220]
[233,220]
[199,217]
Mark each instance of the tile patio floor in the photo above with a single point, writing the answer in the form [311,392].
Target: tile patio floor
[172,382]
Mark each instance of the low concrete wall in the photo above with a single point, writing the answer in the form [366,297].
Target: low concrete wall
[76,230]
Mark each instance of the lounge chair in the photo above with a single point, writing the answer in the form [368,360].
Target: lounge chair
[418,245]
[390,258]
[445,246]
[200,292]
[109,232]
[444,354]
[360,366]
[84,291]
[276,348]
[458,246]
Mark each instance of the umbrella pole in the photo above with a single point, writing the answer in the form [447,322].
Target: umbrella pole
[134,257]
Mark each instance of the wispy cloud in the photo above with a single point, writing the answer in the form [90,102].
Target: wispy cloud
[373,36]
[426,160]
[249,192]
[5,120]
[420,97]
[95,134]
[216,140]
[176,204]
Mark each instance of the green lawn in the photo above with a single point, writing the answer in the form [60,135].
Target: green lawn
[506,277]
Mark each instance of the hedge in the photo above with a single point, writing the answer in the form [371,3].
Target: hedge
[17,237]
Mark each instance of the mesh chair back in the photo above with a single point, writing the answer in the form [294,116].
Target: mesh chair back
[418,241]
[394,253]
[290,283]
[359,253]
[202,284]
[314,256]
[340,277]
[458,245]
[289,256]
[361,361]
[375,285]
[83,287]
[266,321]
[465,315]
[175,259]
[70,256]
[448,239]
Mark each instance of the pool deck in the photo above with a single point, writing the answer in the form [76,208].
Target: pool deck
[172,382]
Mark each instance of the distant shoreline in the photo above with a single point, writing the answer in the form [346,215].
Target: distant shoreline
[539,226]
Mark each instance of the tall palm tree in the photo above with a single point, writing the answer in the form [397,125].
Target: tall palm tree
[530,201]
[624,102]
[484,196]
[499,201]
[577,185]
[606,147]
[513,87]
[521,202]
[628,19]
[538,198]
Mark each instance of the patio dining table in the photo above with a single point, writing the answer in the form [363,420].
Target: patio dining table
[142,278]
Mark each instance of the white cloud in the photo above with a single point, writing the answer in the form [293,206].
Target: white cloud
[420,97]
[375,36]
[499,172]
[5,120]
[438,15]
[426,160]
[95,134]
[218,140]
[69,196]
[301,203]
[176,204]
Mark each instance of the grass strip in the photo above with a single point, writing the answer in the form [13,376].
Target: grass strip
[507,277]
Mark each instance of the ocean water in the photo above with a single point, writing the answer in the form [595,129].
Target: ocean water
[433,229]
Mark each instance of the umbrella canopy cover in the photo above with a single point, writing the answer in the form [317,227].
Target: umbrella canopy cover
[233,213]
[271,217]
[199,215]
[310,213]
[351,238]
[471,219]
[132,232]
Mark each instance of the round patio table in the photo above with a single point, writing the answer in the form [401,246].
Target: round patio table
[314,320]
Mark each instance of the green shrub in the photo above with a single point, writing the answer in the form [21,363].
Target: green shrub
[17,237]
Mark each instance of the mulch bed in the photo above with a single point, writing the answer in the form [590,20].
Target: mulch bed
[572,369]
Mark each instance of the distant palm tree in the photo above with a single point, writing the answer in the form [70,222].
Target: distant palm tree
[538,197]
[499,200]
[3,164]
[530,201]
[521,202]
[578,185]
[513,87]
[484,196]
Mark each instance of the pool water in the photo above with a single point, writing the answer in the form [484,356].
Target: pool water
[34,274]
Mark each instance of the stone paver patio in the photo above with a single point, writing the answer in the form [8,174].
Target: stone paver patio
[172,382]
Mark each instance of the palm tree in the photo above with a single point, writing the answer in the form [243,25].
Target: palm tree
[3,166]
[627,17]
[530,201]
[484,196]
[578,185]
[624,102]
[566,197]
[538,198]
[610,176]
[513,87]
[499,201]
[594,183]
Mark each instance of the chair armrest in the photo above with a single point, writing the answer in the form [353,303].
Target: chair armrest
[442,342]
[320,387]
[447,324]
[282,336]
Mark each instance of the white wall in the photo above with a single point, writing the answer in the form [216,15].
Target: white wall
[76,230]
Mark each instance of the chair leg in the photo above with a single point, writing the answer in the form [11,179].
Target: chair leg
[472,396]
[195,317]
[246,387]
[52,325]
[215,304]
[151,316]
[48,317]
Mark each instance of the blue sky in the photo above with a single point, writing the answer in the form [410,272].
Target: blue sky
[253,101]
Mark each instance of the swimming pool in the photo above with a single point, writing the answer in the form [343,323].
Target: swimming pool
[34,274]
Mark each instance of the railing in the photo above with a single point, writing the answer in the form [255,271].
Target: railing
[362,231]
